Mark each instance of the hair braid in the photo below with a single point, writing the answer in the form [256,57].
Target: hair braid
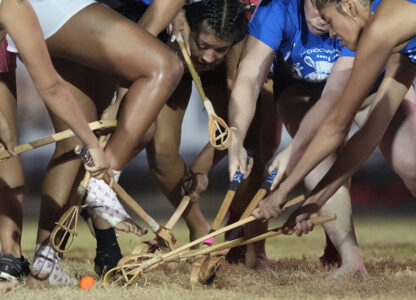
[226,18]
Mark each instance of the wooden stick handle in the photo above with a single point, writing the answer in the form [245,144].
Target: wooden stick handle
[223,210]
[222,230]
[130,202]
[261,193]
[238,177]
[191,67]
[178,212]
[57,137]
[243,241]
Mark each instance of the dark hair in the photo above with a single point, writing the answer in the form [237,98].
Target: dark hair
[226,18]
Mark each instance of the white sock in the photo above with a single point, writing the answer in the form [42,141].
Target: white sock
[102,202]
[46,264]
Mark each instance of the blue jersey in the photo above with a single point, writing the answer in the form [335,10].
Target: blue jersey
[410,49]
[281,25]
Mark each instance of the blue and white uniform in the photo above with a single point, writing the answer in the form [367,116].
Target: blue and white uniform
[53,14]
[300,55]
[410,49]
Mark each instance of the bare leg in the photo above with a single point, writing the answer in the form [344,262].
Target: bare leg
[292,106]
[60,179]
[167,165]
[399,145]
[11,176]
[264,137]
[64,165]
[100,38]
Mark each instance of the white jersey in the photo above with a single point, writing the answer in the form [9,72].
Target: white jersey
[52,15]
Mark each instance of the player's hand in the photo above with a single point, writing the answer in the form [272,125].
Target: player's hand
[280,162]
[270,207]
[300,219]
[99,166]
[180,26]
[199,185]
[237,156]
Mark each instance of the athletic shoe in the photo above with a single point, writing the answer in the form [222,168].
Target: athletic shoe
[12,268]
[47,265]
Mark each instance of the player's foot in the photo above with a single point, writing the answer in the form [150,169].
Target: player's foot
[257,261]
[47,270]
[102,202]
[236,255]
[350,268]
[108,252]
[352,264]
[13,269]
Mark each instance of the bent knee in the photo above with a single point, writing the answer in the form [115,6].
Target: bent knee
[169,69]
[161,161]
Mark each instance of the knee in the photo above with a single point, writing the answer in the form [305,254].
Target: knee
[65,149]
[161,160]
[169,70]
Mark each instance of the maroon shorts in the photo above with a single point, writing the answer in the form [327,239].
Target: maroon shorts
[7,59]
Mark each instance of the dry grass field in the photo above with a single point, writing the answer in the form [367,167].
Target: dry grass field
[388,245]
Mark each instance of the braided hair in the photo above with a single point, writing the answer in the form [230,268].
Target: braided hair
[225,18]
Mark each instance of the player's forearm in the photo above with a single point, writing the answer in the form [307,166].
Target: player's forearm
[242,104]
[397,81]
[326,141]
[371,57]
[159,14]
[317,114]
[307,130]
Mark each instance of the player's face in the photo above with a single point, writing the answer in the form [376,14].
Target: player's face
[315,23]
[207,49]
[342,25]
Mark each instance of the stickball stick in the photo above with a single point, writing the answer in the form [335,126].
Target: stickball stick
[57,137]
[219,132]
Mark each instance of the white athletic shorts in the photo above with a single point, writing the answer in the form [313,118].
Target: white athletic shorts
[52,15]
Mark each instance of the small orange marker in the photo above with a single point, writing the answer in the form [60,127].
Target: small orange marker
[86,283]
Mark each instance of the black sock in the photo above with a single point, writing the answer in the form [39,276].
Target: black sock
[106,239]
[108,251]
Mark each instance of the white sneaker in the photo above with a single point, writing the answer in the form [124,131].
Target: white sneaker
[47,264]
[102,202]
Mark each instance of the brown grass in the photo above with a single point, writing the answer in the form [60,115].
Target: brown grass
[389,248]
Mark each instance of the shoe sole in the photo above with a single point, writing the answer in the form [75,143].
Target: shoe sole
[7,277]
